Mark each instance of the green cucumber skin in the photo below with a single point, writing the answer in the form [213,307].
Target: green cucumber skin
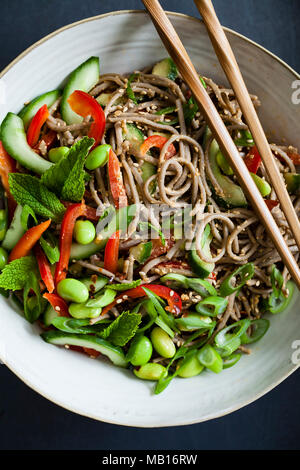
[15,143]
[60,338]
[83,78]
[233,194]
[202,268]
[165,68]
[27,113]
[15,230]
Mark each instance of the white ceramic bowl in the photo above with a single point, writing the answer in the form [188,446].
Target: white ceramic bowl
[127,41]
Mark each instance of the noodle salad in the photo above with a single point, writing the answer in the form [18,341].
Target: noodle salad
[124,231]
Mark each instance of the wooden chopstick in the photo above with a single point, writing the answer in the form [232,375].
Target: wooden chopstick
[233,73]
[189,74]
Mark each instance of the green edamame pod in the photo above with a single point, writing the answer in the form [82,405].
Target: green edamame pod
[140,351]
[98,157]
[150,371]
[82,311]
[191,368]
[73,290]
[162,343]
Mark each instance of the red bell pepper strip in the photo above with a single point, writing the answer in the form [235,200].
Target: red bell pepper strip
[157,141]
[111,253]
[59,305]
[44,268]
[117,188]
[29,239]
[173,299]
[295,157]
[48,139]
[66,233]
[36,125]
[85,105]
[271,203]
[253,160]
[7,165]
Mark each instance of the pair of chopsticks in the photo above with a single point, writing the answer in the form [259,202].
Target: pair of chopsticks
[226,57]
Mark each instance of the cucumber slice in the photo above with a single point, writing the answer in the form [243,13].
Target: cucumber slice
[292,181]
[94,284]
[165,68]
[198,266]
[83,78]
[263,186]
[49,315]
[15,231]
[15,143]
[101,300]
[232,194]
[59,338]
[104,98]
[141,252]
[32,108]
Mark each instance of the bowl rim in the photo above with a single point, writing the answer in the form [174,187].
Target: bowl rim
[26,380]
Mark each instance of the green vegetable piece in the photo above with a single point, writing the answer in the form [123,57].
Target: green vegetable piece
[27,189]
[98,157]
[94,283]
[192,321]
[141,252]
[33,306]
[129,90]
[200,267]
[122,329]
[162,343]
[125,286]
[210,359]
[50,247]
[245,273]
[15,230]
[49,315]
[224,340]
[203,287]
[191,368]
[14,139]
[3,223]
[102,299]
[61,338]
[292,181]
[84,232]
[73,290]
[246,139]
[212,306]
[30,110]
[56,154]
[79,326]
[223,164]
[175,280]
[165,68]
[231,360]
[3,258]
[15,274]
[81,311]
[67,177]
[263,186]
[140,351]
[259,328]
[279,302]
[150,371]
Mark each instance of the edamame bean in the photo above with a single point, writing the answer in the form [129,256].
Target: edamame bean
[56,154]
[162,343]
[191,368]
[140,351]
[84,232]
[3,258]
[82,311]
[3,224]
[150,371]
[73,290]
[98,157]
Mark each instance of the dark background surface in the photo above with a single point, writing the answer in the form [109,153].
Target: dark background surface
[28,421]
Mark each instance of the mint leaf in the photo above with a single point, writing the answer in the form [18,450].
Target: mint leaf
[28,190]
[67,177]
[122,329]
[15,274]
